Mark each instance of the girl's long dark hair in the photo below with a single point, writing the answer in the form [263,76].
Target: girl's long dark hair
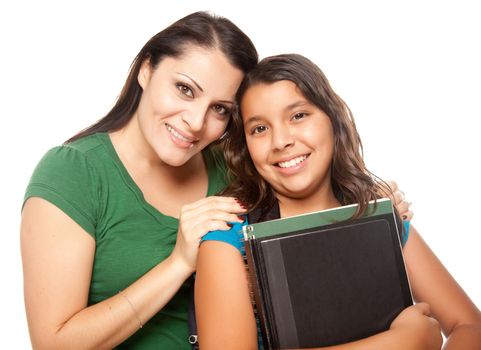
[350,179]
[199,29]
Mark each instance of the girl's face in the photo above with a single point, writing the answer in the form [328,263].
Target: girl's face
[186,103]
[289,139]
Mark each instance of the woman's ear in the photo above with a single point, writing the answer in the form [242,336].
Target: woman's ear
[145,73]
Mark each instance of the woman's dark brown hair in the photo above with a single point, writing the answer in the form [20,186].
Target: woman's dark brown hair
[200,29]
[351,181]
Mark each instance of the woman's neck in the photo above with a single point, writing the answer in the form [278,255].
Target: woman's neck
[138,156]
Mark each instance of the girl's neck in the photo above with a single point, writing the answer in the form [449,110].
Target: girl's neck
[323,199]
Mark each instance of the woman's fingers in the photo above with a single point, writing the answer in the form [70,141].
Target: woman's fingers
[202,207]
[213,201]
[398,198]
[198,218]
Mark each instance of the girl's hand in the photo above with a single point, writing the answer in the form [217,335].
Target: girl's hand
[198,218]
[399,201]
[419,327]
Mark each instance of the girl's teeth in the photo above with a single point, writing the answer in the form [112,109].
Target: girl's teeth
[292,162]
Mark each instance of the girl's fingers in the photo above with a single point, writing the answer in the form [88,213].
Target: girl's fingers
[422,308]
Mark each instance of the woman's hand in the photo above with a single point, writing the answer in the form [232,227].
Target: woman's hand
[198,218]
[416,323]
[399,201]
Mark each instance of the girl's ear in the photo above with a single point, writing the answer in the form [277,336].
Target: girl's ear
[145,73]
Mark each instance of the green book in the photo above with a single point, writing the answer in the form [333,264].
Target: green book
[323,279]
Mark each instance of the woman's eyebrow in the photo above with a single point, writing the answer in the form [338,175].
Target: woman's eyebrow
[192,80]
[200,88]
[227,101]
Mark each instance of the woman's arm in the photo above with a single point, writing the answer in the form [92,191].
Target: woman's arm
[430,282]
[58,257]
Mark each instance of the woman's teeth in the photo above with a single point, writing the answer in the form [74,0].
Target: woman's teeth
[176,134]
[292,162]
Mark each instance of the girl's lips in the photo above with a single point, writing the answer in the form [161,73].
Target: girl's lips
[292,161]
[292,166]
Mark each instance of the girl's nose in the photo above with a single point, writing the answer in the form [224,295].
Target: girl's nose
[282,138]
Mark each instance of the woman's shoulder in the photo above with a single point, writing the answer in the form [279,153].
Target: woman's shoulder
[68,177]
[76,153]
[70,164]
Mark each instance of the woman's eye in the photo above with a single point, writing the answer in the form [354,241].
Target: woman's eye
[258,129]
[298,116]
[220,109]
[185,89]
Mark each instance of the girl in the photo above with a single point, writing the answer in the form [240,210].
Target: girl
[293,149]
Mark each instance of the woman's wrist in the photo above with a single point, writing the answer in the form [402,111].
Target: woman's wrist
[178,265]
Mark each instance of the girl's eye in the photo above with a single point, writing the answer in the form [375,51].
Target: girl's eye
[258,129]
[185,89]
[299,116]
[220,109]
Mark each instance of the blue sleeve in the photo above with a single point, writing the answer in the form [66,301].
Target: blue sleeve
[405,236]
[233,236]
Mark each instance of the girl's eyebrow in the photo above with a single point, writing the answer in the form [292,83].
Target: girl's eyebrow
[293,105]
[192,80]
[252,119]
[296,104]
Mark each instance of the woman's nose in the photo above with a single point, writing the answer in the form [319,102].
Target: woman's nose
[195,118]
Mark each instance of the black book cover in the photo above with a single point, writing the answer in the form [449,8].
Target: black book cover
[320,279]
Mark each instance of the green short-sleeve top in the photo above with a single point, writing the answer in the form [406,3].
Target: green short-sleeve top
[87,180]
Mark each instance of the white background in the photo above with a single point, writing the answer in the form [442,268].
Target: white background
[410,72]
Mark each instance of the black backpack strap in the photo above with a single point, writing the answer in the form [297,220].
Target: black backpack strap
[191,316]
[264,214]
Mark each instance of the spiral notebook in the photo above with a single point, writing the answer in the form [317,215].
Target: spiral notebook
[322,279]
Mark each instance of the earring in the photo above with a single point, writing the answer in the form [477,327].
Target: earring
[224,135]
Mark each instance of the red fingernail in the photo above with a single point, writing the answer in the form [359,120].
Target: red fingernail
[241,203]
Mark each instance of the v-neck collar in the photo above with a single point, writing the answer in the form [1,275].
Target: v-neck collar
[163,218]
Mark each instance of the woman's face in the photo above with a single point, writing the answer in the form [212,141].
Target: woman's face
[289,139]
[186,103]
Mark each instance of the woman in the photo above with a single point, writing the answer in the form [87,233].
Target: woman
[294,149]
[105,258]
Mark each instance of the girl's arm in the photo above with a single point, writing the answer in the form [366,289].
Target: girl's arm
[224,313]
[459,318]
[225,318]
[58,257]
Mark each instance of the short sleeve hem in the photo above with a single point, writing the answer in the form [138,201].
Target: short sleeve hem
[50,195]
[233,236]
